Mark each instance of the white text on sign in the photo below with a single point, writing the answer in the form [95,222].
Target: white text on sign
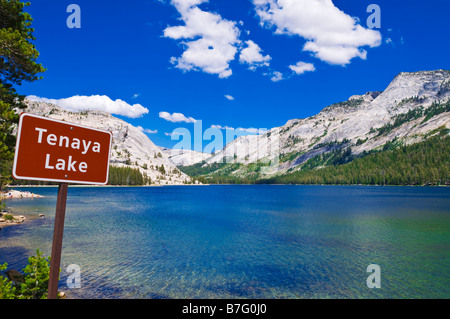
[64,141]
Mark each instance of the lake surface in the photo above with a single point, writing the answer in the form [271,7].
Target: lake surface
[242,241]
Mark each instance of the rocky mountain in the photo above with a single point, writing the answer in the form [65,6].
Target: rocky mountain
[410,109]
[182,157]
[130,146]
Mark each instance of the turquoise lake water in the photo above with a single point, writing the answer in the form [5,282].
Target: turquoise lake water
[242,241]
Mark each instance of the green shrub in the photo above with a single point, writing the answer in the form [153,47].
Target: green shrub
[8,217]
[36,277]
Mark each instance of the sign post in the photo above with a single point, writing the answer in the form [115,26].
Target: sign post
[58,230]
[57,151]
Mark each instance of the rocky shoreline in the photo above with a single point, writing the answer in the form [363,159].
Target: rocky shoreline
[7,218]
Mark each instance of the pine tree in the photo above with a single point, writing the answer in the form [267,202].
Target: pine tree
[17,64]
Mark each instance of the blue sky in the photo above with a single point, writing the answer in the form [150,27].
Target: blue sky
[229,63]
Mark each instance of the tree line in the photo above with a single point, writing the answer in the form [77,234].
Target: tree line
[117,176]
[425,163]
[127,176]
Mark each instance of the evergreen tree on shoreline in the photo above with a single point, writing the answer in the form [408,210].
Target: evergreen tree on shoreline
[17,64]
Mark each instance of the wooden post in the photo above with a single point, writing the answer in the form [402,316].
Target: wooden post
[57,241]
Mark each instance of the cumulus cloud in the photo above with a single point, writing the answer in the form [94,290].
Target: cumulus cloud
[176,117]
[209,40]
[331,35]
[220,127]
[173,134]
[251,55]
[252,130]
[95,102]
[276,76]
[147,131]
[229,97]
[302,67]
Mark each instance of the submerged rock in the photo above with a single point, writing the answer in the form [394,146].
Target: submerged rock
[15,276]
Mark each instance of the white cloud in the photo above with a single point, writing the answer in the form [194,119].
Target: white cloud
[252,130]
[173,134]
[252,56]
[220,127]
[302,67]
[176,117]
[210,41]
[229,97]
[147,131]
[276,76]
[332,35]
[240,129]
[135,95]
[95,102]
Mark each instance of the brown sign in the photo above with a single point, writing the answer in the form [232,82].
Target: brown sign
[57,151]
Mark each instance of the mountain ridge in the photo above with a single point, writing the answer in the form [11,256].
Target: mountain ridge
[413,104]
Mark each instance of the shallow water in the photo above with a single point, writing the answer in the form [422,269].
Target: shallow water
[242,241]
